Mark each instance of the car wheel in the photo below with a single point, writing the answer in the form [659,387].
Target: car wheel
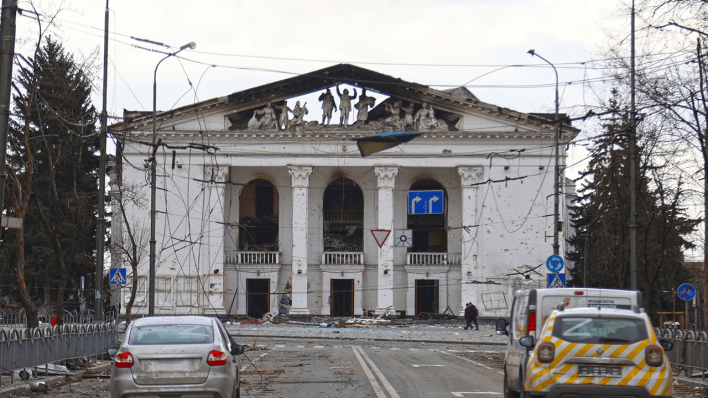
[508,393]
[238,392]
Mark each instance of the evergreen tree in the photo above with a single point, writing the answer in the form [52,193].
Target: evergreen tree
[53,175]
[602,213]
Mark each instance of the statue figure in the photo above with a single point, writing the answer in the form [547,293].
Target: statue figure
[299,113]
[267,121]
[345,105]
[408,118]
[283,121]
[328,105]
[426,121]
[395,111]
[363,107]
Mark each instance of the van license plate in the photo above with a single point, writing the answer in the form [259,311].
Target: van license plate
[599,371]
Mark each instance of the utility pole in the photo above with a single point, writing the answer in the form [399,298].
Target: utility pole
[101,222]
[7,53]
[633,246]
[556,147]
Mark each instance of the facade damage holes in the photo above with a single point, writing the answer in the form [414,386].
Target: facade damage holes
[343,208]
[258,217]
[342,302]
[427,296]
[257,297]
[429,230]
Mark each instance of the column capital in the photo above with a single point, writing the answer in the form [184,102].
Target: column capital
[470,175]
[386,176]
[214,173]
[300,176]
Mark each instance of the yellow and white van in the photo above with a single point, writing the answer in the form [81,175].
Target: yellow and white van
[530,310]
[597,352]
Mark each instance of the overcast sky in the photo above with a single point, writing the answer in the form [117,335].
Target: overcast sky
[458,40]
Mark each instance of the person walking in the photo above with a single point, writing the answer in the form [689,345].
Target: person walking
[471,316]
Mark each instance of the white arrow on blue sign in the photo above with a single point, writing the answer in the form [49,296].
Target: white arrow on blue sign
[555,263]
[686,292]
[425,202]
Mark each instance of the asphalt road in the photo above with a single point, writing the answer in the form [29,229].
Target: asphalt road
[365,369]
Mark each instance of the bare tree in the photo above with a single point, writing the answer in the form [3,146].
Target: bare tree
[132,244]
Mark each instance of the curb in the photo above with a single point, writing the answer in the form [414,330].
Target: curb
[52,380]
[273,336]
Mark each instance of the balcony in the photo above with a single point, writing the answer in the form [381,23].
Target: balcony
[344,216]
[433,258]
[242,257]
[342,258]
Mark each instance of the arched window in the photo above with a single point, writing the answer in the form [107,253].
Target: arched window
[258,217]
[343,206]
[429,230]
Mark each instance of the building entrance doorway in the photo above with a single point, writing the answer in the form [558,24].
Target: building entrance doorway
[257,297]
[426,296]
[342,297]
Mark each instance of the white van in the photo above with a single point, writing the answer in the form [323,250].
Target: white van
[529,311]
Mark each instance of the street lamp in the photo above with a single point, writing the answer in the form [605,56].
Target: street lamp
[153,181]
[557,171]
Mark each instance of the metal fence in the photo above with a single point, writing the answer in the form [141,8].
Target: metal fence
[30,348]
[18,318]
[689,356]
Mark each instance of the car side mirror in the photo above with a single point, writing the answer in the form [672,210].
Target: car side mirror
[112,351]
[501,326]
[667,345]
[527,341]
[237,349]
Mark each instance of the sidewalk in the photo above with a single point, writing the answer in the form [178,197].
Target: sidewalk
[437,333]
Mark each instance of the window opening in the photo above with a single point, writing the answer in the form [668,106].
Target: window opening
[343,207]
[429,230]
[258,217]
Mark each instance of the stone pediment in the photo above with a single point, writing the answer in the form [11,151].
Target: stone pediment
[410,107]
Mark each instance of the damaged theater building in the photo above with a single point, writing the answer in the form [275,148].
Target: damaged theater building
[263,207]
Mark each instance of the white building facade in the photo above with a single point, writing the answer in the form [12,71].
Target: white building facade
[252,206]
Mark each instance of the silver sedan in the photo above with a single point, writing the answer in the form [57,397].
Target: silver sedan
[172,356]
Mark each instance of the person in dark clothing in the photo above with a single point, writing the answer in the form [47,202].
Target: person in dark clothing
[471,316]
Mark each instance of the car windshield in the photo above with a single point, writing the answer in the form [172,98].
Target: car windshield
[171,334]
[599,330]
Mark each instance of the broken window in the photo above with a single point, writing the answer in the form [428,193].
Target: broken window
[429,230]
[343,207]
[258,217]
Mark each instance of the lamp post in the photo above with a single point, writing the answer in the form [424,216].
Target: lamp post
[556,187]
[153,181]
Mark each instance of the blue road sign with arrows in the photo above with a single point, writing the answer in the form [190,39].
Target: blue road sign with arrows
[425,202]
[686,292]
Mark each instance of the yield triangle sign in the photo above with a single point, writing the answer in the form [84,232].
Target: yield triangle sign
[380,235]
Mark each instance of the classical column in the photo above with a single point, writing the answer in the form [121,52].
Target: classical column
[386,179]
[300,185]
[471,271]
[214,231]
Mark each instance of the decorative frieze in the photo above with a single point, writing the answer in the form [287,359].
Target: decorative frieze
[386,176]
[300,176]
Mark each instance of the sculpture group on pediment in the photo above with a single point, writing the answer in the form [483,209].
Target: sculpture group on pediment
[397,118]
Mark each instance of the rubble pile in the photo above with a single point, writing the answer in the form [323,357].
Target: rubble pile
[335,242]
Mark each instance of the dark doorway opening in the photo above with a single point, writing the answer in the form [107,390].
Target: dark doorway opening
[429,230]
[426,296]
[342,298]
[257,297]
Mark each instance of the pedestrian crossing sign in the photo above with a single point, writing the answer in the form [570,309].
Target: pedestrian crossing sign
[555,280]
[117,276]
